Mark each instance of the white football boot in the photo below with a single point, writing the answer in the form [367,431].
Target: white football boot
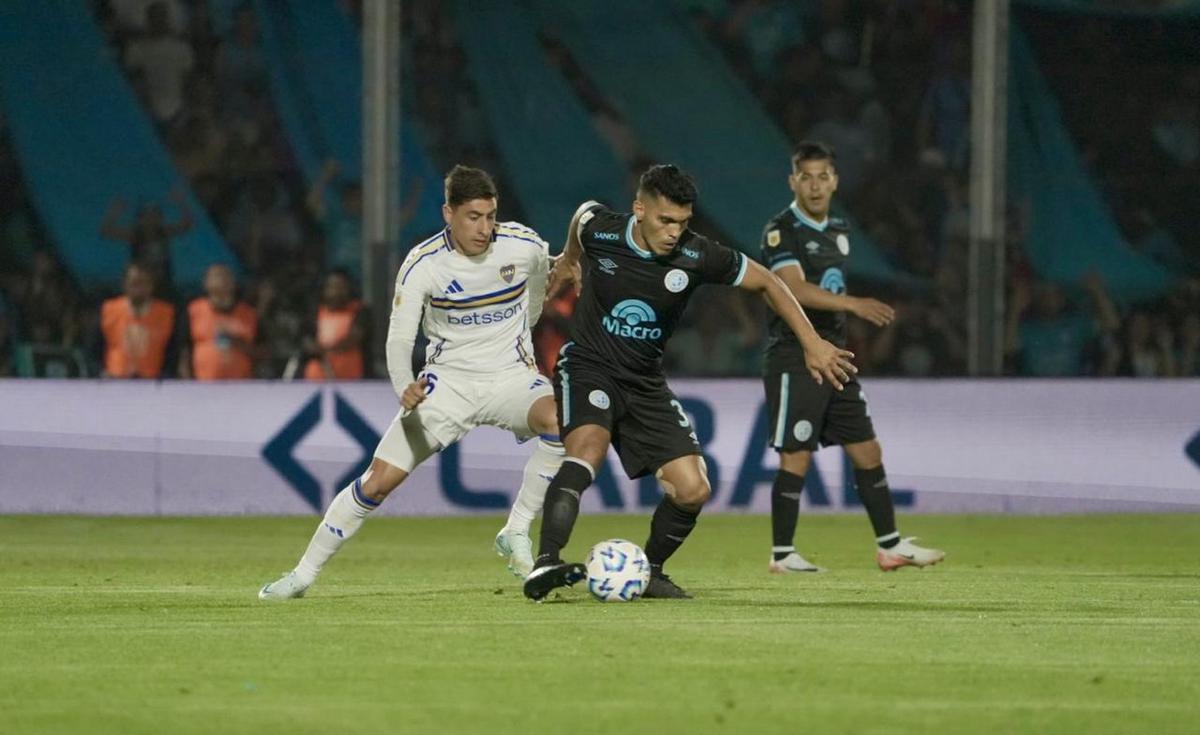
[907,554]
[793,562]
[286,587]
[517,549]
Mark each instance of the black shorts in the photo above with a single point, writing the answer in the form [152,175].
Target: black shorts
[801,413]
[647,422]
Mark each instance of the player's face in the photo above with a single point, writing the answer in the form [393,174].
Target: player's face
[336,291]
[661,221]
[471,224]
[220,287]
[813,183]
[138,285]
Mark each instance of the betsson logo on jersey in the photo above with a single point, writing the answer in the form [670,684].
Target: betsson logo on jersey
[480,318]
[627,320]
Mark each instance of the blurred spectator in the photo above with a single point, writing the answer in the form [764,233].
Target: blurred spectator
[341,217]
[163,59]
[137,328]
[721,337]
[264,227]
[218,331]
[132,16]
[1148,349]
[338,334]
[842,129]
[48,304]
[1176,129]
[945,121]
[149,237]
[1188,360]
[8,324]
[241,68]
[1055,340]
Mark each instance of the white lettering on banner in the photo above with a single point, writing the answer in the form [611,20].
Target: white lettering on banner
[177,448]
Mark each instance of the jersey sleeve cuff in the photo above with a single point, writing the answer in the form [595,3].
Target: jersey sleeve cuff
[741,270]
[783,263]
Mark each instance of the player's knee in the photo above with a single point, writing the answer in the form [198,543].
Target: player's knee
[380,480]
[866,455]
[693,494]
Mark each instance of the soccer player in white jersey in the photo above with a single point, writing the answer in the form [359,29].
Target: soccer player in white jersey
[476,288]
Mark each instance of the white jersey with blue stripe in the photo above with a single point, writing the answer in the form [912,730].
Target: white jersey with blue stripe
[477,311]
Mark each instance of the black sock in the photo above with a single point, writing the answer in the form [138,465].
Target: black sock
[668,530]
[877,499]
[785,510]
[561,508]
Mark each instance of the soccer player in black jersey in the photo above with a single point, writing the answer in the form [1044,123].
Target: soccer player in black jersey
[807,248]
[638,270]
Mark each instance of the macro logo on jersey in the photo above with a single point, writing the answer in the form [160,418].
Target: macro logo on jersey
[507,272]
[633,319]
[833,281]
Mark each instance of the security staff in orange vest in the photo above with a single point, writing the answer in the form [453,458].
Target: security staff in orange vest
[220,331]
[137,328]
[341,329]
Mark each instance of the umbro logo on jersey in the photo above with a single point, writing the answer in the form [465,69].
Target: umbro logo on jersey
[606,236]
[454,287]
[812,246]
[608,266]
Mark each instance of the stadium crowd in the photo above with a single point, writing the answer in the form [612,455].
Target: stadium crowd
[886,83]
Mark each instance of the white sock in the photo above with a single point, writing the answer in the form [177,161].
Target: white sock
[541,468]
[345,515]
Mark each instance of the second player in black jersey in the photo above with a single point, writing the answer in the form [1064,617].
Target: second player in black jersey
[807,248]
[638,270]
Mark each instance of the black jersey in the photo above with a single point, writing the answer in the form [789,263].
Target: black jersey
[632,299]
[792,238]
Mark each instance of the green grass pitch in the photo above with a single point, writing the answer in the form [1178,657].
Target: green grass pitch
[1048,625]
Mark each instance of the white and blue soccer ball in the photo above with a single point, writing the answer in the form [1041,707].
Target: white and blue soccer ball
[618,571]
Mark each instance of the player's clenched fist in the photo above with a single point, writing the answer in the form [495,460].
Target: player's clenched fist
[831,363]
[414,394]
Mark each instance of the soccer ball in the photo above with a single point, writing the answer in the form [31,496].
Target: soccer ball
[617,570]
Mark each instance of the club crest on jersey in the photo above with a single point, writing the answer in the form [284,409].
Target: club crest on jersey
[507,272]
[843,244]
[773,239]
[676,280]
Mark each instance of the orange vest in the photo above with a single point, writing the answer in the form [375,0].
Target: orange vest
[135,344]
[214,355]
[334,325]
[548,337]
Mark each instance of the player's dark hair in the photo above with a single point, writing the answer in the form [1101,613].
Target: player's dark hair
[668,181]
[812,150]
[464,183]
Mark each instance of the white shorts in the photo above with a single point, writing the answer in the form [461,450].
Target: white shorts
[457,403]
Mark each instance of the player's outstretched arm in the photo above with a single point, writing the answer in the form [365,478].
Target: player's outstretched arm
[814,297]
[825,361]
